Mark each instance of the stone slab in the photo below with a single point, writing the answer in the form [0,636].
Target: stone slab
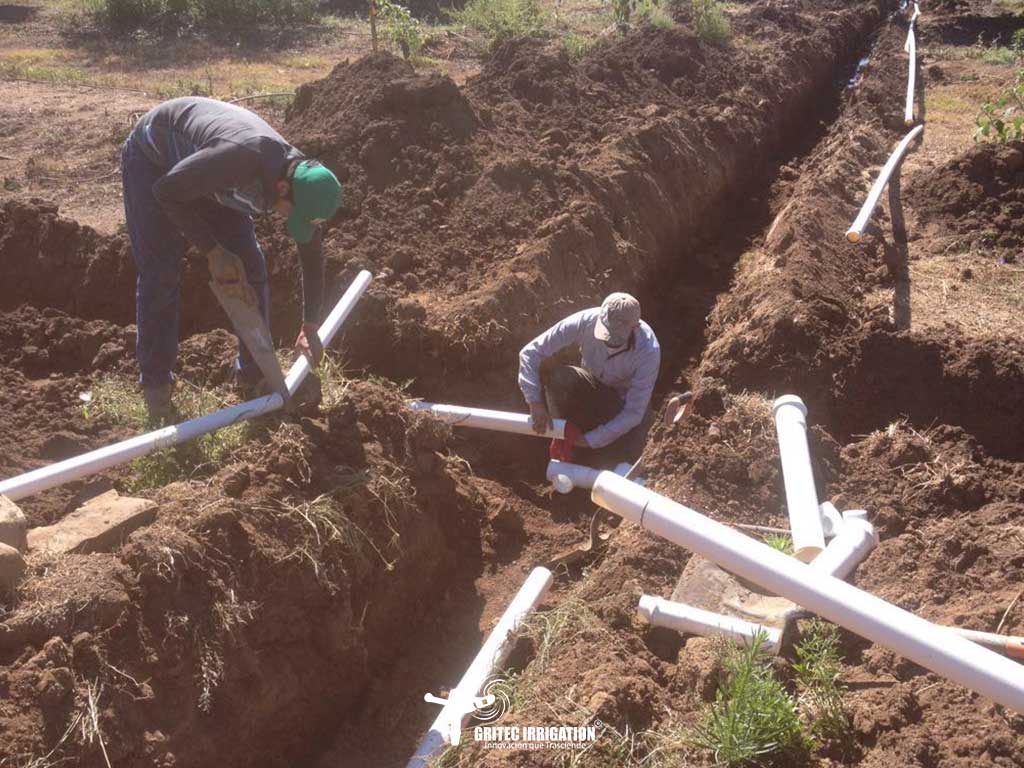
[13,525]
[12,568]
[100,525]
[705,585]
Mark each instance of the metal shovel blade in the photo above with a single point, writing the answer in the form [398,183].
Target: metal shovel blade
[253,332]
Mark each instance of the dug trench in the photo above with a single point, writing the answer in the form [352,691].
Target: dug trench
[273,600]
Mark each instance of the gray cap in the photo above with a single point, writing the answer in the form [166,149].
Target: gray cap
[620,312]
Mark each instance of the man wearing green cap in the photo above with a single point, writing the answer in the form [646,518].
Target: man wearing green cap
[199,170]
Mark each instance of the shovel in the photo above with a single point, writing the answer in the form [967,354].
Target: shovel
[238,299]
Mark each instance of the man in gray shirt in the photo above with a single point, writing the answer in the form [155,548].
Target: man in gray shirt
[606,399]
[199,170]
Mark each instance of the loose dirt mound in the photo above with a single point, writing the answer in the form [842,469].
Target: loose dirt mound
[979,196]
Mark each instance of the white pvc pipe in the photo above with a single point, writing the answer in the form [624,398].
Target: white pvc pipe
[90,463]
[482,418]
[846,551]
[941,651]
[493,653]
[565,476]
[856,230]
[801,495]
[908,116]
[1005,644]
[687,619]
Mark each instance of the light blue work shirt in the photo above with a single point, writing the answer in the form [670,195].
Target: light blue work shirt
[631,370]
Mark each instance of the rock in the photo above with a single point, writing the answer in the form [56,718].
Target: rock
[99,525]
[13,525]
[12,568]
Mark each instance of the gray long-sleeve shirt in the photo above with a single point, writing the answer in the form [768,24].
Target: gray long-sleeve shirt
[211,149]
[632,372]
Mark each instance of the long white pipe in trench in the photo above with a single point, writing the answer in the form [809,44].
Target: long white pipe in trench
[801,494]
[911,48]
[856,230]
[931,646]
[78,467]
[483,418]
[492,654]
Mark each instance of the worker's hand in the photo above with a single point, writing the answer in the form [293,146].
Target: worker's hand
[308,343]
[540,419]
[574,436]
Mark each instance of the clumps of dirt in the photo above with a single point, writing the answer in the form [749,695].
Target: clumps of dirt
[261,607]
[41,342]
[979,195]
[378,122]
[49,261]
[960,381]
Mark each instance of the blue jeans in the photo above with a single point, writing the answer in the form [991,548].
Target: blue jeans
[158,247]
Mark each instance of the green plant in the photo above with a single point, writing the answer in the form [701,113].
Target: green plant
[652,12]
[400,27]
[753,718]
[578,46]
[129,13]
[817,670]
[779,541]
[1002,120]
[621,11]
[501,20]
[710,22]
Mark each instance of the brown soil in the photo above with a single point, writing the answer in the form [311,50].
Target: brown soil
[658,164]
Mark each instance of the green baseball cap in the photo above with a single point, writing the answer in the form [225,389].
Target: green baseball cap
[316,195]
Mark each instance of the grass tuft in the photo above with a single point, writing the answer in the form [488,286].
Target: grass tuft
[120,401]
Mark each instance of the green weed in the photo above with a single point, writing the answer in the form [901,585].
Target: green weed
[501,20]
[653,12]
[710,22]
[578,46]
[779,541]
[400,28]
[1002,120]
[753,719]
[817,670]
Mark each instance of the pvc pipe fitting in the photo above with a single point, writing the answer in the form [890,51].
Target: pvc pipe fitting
[686,619]
[483,418]
[87,464]
[847,550]
[447,727]
[801,495]
[831,520]
[565,476]
[943,652]
[856,230]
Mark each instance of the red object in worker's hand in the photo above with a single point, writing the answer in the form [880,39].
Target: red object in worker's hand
[561,450]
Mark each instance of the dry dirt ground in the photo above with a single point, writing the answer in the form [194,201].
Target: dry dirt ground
[308,579]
